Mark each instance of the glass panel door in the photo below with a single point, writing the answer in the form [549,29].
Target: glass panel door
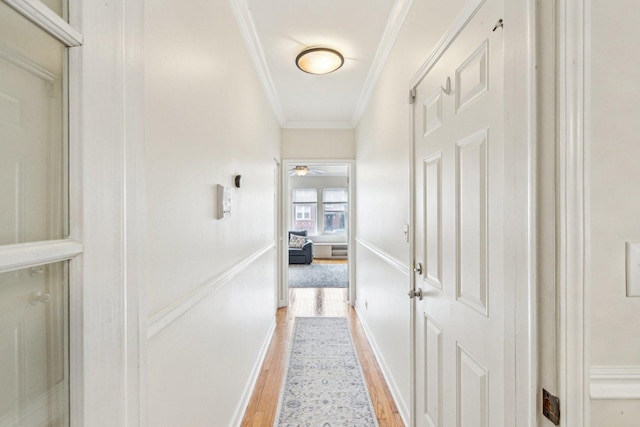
[34,299]
[34,372]
[33,201]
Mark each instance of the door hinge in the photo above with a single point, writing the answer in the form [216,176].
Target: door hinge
[551,407]
[412,96]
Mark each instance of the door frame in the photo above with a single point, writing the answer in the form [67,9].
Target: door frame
[573,141]
[283,284]
[277,230]
[520,127]
[108,214]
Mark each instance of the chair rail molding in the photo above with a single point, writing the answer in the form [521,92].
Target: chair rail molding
[386,257]
[615,382]
[165,317]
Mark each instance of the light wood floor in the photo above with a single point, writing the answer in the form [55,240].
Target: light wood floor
[316,302]
[329,261]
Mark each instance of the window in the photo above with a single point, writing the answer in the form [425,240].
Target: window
[334,206]
[303,212]
[305,205]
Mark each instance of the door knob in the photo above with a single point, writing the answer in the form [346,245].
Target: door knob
[38,296]
[416,293]
[418,268]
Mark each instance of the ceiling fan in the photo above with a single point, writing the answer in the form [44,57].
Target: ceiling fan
[302,170]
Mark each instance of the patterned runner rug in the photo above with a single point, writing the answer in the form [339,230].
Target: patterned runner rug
[318,275]
[324,385]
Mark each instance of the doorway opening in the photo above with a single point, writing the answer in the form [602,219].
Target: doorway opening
[317,224]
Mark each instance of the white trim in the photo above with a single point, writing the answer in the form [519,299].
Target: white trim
[458,24]
[392,30]
[45,18]
[573,300]
[520,128]
[253,378]
[165,317]
[135,214]
[254,46]
[411,262]
[75,183]
[23,255]
[403,409]
[615,382]
[385,256]
[317,125]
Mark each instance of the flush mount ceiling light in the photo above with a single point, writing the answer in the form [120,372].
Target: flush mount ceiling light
[301,170]
[319,60]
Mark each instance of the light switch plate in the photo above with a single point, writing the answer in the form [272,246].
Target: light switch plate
[223,202]
[633,268]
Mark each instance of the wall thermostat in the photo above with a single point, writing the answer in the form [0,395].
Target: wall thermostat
[223,202]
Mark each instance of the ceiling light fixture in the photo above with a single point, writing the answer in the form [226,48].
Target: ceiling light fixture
[319,60]
[300,170]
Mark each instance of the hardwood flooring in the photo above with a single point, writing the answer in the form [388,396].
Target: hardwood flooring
[316,302]
[329,261]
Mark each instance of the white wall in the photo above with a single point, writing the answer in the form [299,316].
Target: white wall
[615,200]
[210,282]
[318,144]
[382,177]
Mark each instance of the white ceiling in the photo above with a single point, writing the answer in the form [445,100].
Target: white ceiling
[277,30]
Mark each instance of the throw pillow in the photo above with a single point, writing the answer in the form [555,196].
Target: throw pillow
[297,241]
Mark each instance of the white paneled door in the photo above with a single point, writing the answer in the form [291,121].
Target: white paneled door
[462,352]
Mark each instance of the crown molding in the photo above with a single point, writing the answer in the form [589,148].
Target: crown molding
[254,46]
[317,125]
[394,24]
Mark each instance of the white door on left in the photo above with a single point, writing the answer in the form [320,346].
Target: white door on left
[34,368]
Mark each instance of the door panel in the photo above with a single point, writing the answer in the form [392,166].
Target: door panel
[433,220]
[471,227]
[433,373]
[459,213]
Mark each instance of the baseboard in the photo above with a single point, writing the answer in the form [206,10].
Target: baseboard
[253,378]
[615,383]
[391,383]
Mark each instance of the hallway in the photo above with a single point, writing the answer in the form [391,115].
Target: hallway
[313,302]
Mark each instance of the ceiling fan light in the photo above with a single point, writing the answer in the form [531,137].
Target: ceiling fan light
[300,170]
[319,60]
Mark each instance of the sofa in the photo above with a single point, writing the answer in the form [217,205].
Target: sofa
[303,255]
